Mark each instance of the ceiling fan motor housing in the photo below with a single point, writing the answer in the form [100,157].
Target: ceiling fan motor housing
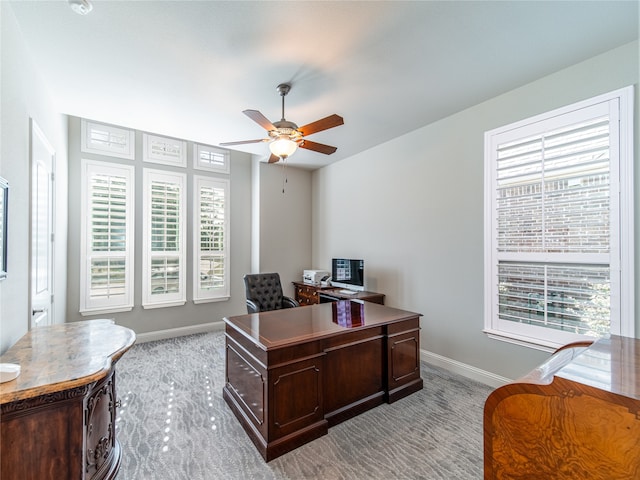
[285,128]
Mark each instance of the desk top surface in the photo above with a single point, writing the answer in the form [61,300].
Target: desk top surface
[289,326]
[336,292]
[60,357]
[611,364]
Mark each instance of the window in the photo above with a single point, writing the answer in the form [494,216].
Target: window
[107,140]
[163,150]
[211,239]
[106,280]
[164,266]
[559,224]
[210,158]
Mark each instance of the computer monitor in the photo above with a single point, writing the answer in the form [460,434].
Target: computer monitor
[347,273]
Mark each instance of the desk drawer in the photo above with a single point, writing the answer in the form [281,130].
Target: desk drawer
[306,295]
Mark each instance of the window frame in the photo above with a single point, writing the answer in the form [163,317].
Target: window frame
[150,156]
[198,148]
[622,267]
[87,146]
[224,293]
[167,299]
[126,302]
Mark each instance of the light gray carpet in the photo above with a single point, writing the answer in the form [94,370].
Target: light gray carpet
[174,424]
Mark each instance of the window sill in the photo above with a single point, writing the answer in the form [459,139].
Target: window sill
[198,301]
[163,304]
[545,346]
[100,311]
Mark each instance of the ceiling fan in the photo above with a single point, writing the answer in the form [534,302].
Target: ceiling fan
[285,137]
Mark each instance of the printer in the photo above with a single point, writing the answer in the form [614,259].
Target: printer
[315,277]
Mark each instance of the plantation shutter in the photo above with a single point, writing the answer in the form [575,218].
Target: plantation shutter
[164,235]
[211,243]
[107,197]
[553,191]
[553,223]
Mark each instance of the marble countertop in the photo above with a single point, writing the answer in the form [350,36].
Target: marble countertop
[60,357]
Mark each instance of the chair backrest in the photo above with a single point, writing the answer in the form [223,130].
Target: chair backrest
[265,290]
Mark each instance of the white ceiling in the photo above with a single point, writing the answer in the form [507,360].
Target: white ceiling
[188,68]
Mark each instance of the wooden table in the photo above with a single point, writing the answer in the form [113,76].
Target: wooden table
[57,418]
[307,294]
[293,373]
[575,416]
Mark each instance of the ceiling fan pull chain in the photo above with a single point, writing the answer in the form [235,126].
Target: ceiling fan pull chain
[284,174]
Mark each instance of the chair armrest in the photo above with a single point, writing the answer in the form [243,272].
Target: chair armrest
[289,302]
[252,307]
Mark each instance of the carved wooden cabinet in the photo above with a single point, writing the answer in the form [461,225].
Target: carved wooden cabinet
[577,416]
[58,417]
[99,427]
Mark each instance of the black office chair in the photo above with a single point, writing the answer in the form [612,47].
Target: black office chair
[264,293]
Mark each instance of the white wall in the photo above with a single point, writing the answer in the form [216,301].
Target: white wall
[417,212]
[23,95]
[284,234]
[284,245]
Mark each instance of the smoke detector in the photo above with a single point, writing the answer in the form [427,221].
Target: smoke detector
[81,7]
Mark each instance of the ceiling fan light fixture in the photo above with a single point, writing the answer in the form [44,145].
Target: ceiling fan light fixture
[81,7]
[283,147]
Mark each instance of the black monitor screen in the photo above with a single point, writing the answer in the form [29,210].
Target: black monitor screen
[347,271]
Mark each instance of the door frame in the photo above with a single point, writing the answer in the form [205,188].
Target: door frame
[36,134]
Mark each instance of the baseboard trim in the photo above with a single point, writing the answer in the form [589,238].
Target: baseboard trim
[178,332]
[454,366]
[463,369]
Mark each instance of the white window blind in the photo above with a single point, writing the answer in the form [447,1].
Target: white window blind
[211,239]
[555,253]
[164,266]
[106,282]
[210,158]
[107,140]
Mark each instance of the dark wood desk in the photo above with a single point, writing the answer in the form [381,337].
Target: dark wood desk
[293,373]
[307,294]
[575,416]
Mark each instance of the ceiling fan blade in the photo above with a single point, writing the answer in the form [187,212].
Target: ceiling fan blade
[274,158]
[322,124]
[260,119]
[245,141]
[318,147]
